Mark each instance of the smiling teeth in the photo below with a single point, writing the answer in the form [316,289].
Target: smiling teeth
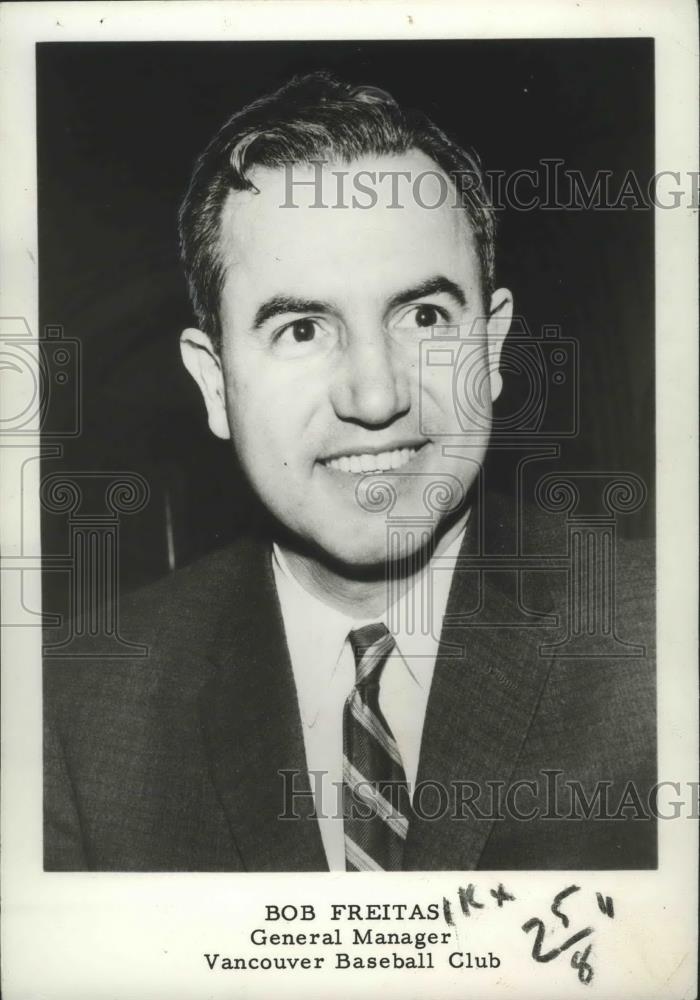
[382,462]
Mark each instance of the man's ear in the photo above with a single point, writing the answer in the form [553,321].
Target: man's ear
[497,327]
[204,365]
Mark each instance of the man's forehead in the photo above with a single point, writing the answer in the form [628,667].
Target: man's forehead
[400,204]
[391,176]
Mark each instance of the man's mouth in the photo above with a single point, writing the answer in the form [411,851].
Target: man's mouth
[359,463]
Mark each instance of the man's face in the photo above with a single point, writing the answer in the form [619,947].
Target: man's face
[320,381]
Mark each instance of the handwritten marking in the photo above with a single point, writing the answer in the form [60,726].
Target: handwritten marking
[560,897]
[579,961]
[501,895]
[555,952]
[466,899]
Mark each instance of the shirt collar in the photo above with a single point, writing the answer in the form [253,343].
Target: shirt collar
[316,632]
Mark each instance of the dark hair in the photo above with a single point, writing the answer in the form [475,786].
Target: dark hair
[312,117]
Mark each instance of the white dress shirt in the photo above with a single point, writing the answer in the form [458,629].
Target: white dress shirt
[324,673]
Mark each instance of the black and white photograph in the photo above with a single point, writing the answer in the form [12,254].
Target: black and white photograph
[348,450]
[406,600]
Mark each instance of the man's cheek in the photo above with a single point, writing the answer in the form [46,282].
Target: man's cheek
[438,414]
[456,397]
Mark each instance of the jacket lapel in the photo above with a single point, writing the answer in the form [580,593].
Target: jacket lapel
[481,705]
[479,711]
[252,728]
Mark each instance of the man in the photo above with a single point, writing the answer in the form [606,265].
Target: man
[346,693]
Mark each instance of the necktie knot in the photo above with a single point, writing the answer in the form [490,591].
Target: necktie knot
[371,646]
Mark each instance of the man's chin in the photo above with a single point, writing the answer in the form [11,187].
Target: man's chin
[364,555]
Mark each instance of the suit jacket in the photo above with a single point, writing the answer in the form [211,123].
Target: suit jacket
[171,762]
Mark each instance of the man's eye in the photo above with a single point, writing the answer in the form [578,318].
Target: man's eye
[422,317]
[301,330]
[303,336]
[427,316]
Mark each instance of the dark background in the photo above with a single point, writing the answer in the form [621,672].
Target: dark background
[119,127]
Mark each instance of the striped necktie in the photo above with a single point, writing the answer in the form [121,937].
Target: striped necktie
[376,803]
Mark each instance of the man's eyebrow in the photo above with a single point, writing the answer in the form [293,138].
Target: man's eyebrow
[431,286]
[280,304]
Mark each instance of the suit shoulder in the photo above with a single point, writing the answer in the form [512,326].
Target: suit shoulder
[196,594]
[165,629]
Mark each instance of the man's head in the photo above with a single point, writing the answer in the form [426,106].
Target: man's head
[311,318]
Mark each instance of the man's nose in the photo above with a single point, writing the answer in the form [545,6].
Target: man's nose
[371,386]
